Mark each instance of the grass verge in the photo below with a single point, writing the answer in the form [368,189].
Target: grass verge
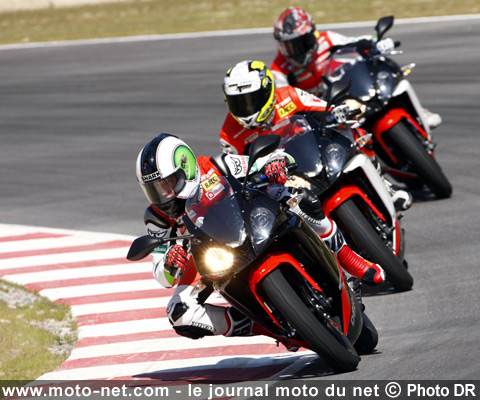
[36,335]
[144,17]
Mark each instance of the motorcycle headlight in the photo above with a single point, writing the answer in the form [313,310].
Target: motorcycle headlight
[385,84]
[261,220]
[335,158]
[218,260]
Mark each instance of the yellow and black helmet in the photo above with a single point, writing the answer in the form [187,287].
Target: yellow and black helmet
[250,93]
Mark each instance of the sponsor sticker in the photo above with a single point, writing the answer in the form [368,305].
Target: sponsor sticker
[211,182]
[214,191]
[288,109]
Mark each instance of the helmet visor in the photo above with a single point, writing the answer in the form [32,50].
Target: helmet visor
[162,191]
[246,104]
[297,49]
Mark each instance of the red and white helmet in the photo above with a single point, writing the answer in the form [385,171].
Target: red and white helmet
[296,37]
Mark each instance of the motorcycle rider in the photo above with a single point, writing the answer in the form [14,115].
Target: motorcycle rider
[168,172]
[303,52]
[255,104]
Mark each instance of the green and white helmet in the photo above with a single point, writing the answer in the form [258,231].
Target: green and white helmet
[168,173]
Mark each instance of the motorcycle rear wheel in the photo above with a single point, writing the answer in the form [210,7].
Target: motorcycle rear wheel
[368,241]
[424,165]
[327,342]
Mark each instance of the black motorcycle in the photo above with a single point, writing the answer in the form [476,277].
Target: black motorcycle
[269,264]
[392,112]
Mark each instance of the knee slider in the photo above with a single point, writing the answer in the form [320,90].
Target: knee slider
[192,332]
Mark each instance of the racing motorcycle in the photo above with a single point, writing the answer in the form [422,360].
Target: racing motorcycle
[402,137]
[269,264]
[349,186]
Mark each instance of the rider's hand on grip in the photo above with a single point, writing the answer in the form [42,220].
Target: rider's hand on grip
[175,259]
[275,171]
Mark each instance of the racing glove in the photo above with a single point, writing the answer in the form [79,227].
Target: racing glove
[385,45]
[175,260]
[275,171]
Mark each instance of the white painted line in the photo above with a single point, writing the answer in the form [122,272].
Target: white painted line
[100,288]
[123,305]
[166,344]
[47,259]
[73,273]
[13,230]
[124,328]
[48,243]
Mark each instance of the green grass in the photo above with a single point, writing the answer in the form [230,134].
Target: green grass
[27,348]
[143,17]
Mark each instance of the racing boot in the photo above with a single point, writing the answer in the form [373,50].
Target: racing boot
[433,119]
[368,272]
[402,200]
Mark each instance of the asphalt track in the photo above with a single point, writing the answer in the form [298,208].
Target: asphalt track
[73,119]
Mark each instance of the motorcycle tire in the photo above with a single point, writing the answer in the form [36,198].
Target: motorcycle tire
[423,164]
[369,242]
[331,345]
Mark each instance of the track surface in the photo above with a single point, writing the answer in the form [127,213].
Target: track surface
[74,118]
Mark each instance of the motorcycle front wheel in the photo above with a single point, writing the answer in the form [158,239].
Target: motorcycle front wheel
[422,163]
[370,243]
[331,345]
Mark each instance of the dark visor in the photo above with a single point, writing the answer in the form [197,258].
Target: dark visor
[244,105]
[298,48]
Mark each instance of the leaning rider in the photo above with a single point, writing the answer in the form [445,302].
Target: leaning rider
[168,173]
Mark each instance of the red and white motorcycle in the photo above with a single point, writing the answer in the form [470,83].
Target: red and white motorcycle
[392,112]
[349,186]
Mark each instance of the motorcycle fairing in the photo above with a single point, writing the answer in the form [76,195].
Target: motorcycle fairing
[320,159]
[362,162]
[405,88]
[304,149]
[345,192]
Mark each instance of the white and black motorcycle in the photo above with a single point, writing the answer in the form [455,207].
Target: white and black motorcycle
[393,114]
[350,188]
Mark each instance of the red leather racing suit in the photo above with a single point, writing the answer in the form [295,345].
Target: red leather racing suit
[235,139]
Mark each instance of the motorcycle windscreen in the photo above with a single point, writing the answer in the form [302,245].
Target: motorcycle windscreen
[304,149]
[348,64]
[214,209]
[335,151]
